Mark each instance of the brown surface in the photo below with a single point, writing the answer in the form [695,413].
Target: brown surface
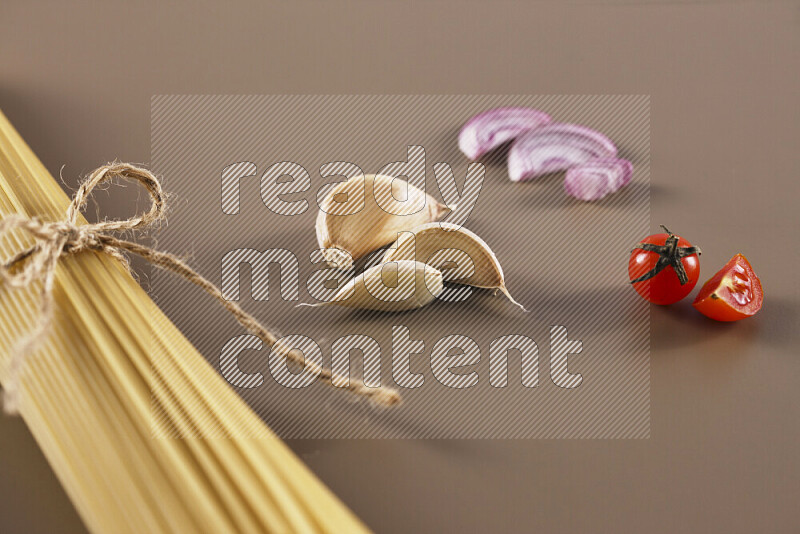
[194,138]
[722,457]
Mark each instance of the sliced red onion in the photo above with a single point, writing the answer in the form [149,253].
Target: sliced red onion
[556,147]
[597,178]
[493,127]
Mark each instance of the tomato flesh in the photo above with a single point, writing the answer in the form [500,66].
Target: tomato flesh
[664,288]
[733,293]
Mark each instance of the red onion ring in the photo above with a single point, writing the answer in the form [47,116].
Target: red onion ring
[597,178]
[490,129]
[556,147]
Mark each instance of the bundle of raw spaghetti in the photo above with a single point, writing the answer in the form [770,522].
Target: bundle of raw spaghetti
[113,382]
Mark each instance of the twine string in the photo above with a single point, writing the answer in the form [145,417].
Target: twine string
[60,238]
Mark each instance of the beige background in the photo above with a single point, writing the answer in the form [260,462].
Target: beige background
[76,80]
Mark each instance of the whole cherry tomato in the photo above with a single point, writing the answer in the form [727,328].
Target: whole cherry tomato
[733,293]
[664,268]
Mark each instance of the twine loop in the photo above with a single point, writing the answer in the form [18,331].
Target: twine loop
[59,238]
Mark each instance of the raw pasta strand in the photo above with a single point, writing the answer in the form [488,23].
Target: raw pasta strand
[143,434]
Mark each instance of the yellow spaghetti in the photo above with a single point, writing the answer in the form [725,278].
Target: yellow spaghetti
[142,433]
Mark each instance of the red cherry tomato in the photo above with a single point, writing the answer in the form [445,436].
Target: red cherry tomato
[733,293]
[664,268]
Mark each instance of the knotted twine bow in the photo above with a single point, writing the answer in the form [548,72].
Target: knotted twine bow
[56,239]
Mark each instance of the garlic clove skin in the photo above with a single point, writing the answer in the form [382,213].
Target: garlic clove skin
[416,285]
[441,244]
[363,214]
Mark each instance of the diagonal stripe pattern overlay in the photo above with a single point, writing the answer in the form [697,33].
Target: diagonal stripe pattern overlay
[246,174]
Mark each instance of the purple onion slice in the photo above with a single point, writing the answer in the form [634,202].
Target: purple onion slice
[556,147]
[597,178]
[490,129]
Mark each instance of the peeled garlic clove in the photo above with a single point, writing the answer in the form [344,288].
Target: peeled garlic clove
[363,214]
[441,245]
[409,285]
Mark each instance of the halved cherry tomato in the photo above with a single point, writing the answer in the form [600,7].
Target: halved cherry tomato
[733,293]
[664,268]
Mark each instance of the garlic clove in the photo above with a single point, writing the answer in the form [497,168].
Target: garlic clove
[367,212]
[406,285]
[445,246]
